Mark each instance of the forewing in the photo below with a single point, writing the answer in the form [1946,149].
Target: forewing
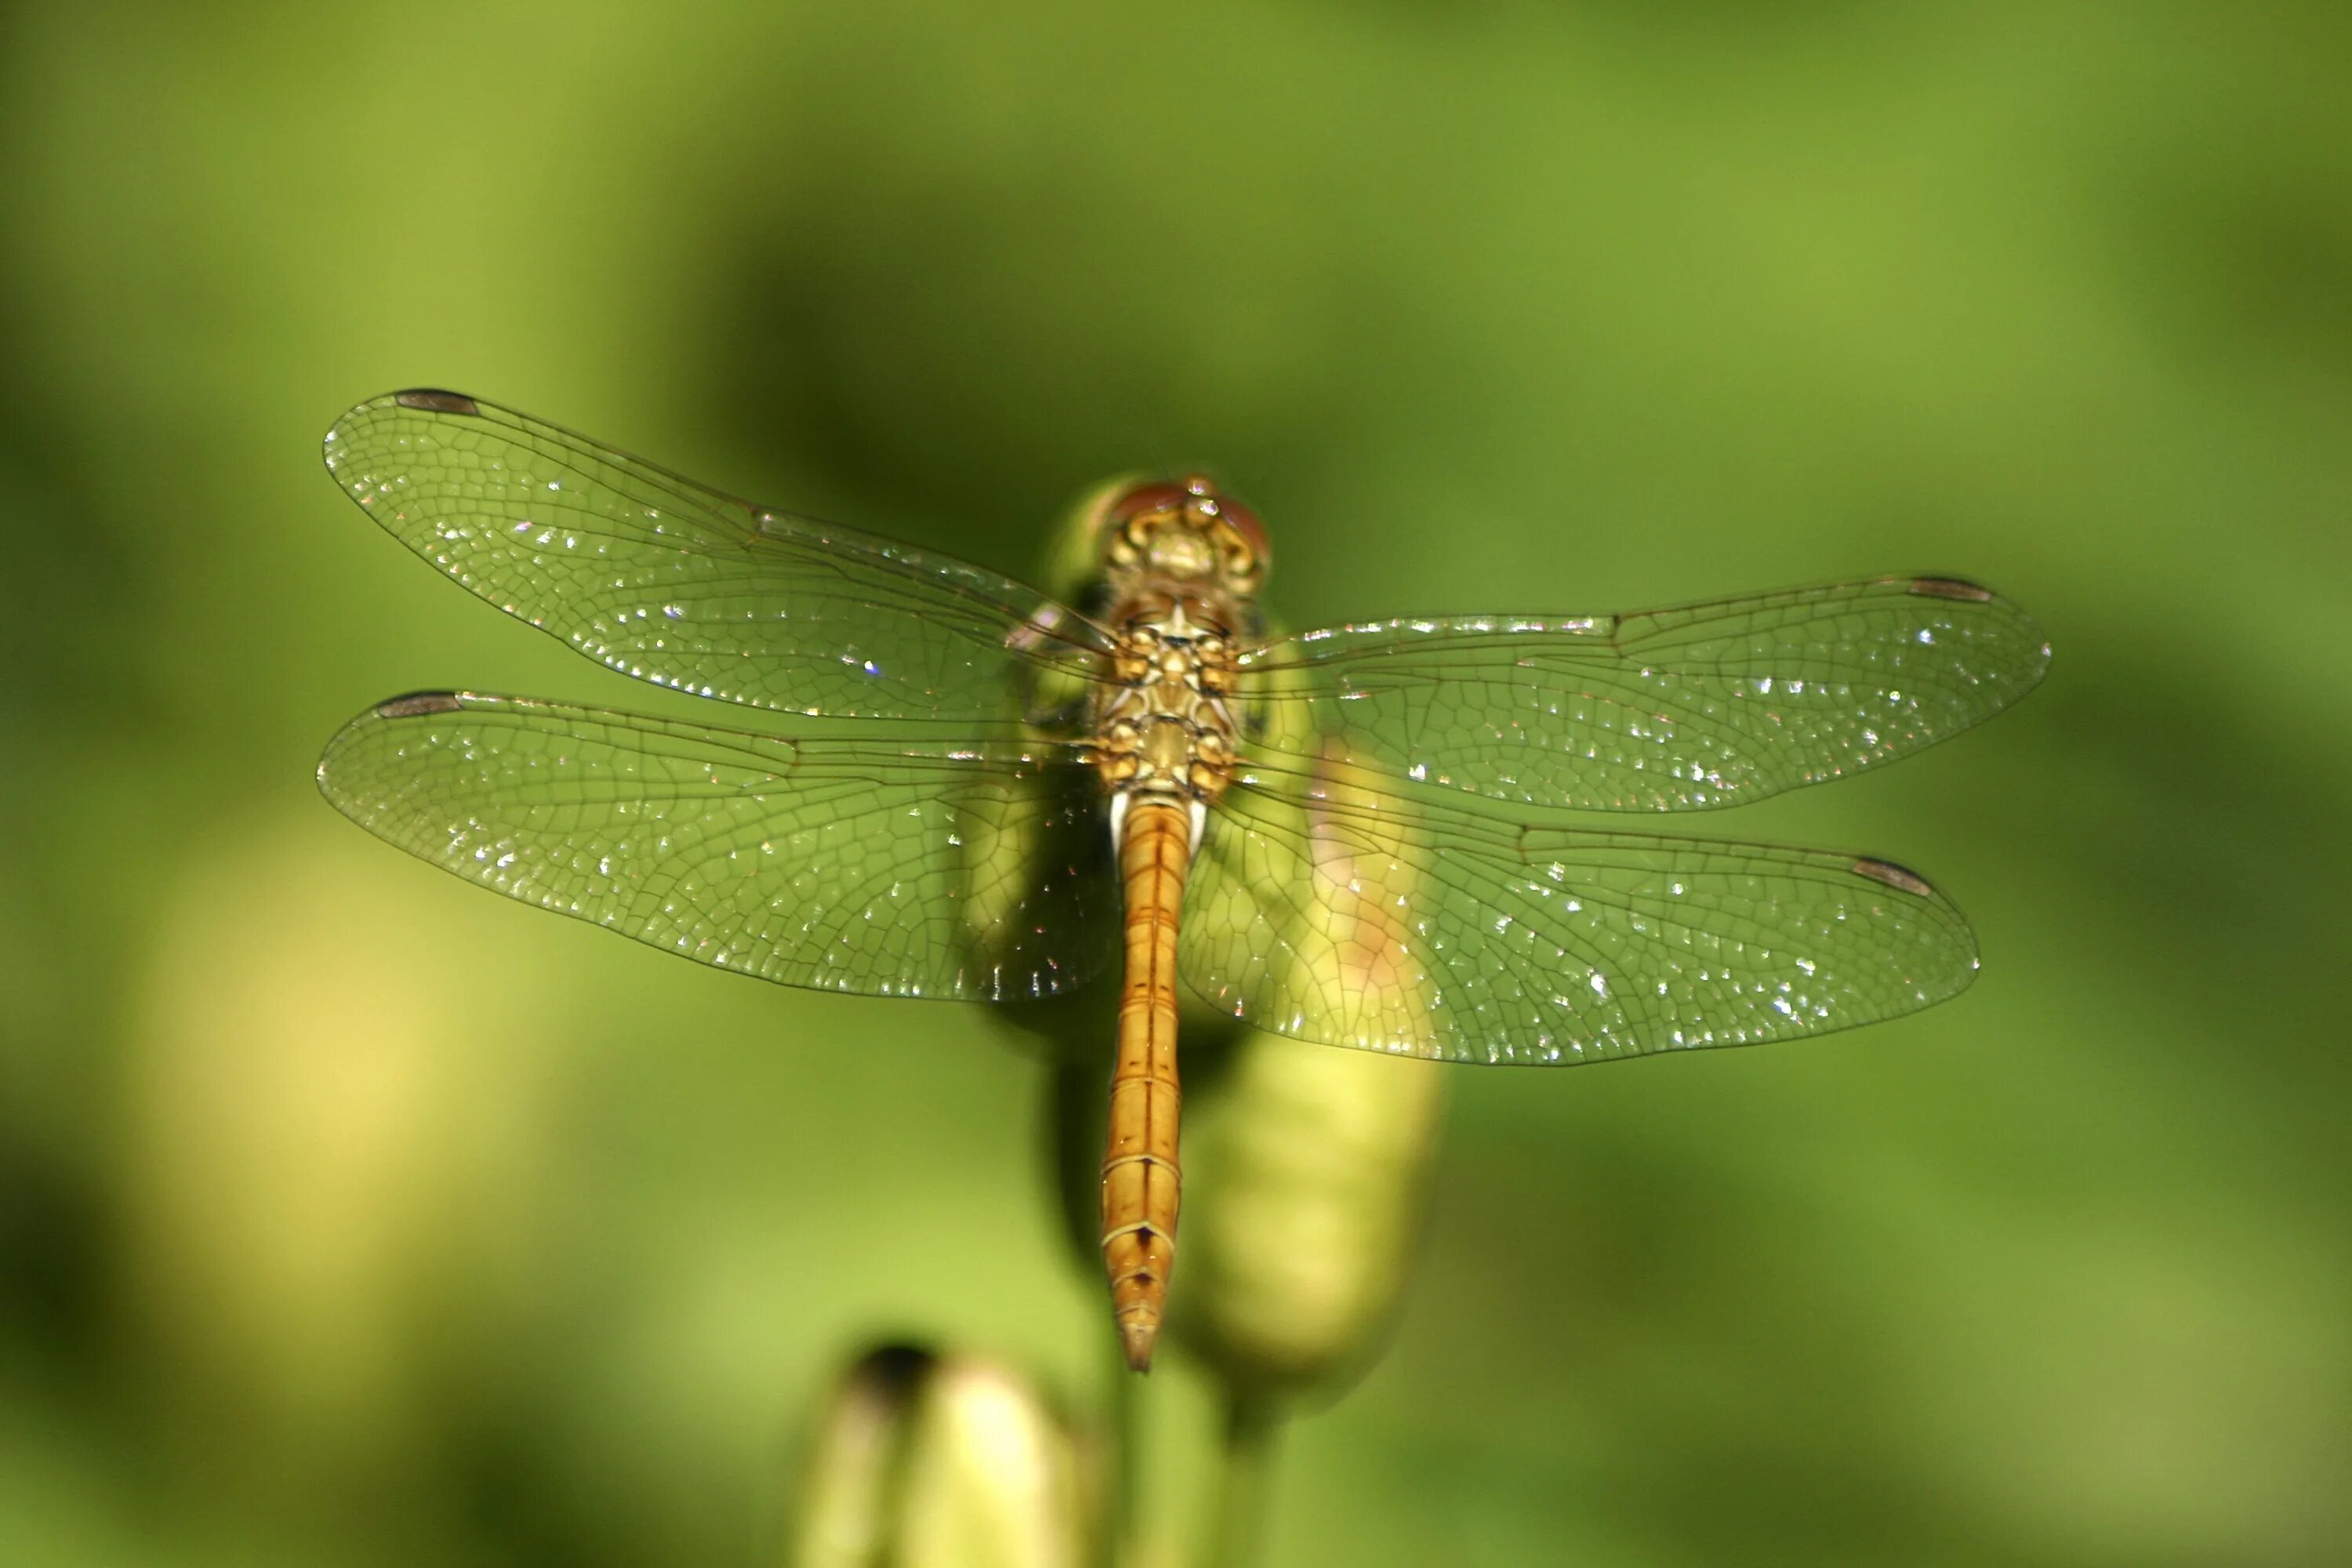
[882,866]
[1342,913]
[674,582]
[1698,706]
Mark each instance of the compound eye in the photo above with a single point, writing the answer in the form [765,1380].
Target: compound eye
[1251,531]
[1159,496]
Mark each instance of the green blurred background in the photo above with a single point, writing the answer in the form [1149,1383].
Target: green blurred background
[349,1215]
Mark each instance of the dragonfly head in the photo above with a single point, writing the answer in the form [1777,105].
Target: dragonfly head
[1184,531]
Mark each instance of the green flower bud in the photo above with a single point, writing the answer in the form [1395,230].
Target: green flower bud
[920,1461]
[1073,553]
[1306,1174]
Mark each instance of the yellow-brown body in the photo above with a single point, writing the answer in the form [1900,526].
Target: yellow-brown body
[1141,1175]
[1182,566]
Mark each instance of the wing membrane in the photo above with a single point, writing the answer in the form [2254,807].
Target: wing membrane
[881,867]
[1336,911]
[1694,706]
[674,582]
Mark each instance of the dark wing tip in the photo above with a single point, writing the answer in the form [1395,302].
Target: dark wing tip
[1962,590]
[1951,588]
[357,422]
[1902,878]
[433,400]
[418,704]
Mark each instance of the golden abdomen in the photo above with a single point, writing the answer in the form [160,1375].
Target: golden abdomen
[1140,1177]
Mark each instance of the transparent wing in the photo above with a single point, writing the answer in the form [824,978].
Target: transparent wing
[674,582]
[881,867]
[1698,706]
[1334,910]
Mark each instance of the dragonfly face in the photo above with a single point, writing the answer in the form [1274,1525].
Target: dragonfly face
[1184,532]
[1350,835]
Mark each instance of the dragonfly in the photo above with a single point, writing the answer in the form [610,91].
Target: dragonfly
[1363,835]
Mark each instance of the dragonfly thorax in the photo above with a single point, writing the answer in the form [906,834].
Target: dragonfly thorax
[1181,564]
[1163,729]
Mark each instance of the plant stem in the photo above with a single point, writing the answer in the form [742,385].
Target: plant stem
[1237,1532]
[1118,1544]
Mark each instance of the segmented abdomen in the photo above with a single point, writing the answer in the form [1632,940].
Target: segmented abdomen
[1140,1178]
